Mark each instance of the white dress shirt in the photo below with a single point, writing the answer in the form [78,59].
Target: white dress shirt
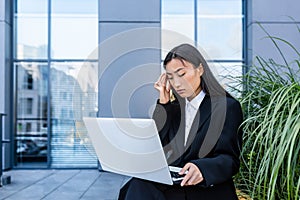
[191,108]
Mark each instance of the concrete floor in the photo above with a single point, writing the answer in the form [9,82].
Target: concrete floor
[62,184]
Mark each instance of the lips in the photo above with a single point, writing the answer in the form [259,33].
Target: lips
[180,91]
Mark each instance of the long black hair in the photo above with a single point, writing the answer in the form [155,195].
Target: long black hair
[189,53]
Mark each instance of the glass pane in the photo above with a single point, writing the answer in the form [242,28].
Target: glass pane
[31,6]
[31,29]
[74,32]
[229,75]
[31,136]
[73,96]
[177,23]
[219,7]
[220,28]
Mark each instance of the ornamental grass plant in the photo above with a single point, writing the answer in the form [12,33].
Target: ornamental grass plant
[270,167]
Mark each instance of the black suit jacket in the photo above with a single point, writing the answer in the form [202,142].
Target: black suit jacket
[214,141]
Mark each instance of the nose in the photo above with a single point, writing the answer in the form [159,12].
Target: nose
[176,82]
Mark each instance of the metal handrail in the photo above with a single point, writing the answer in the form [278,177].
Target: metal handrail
[1,137]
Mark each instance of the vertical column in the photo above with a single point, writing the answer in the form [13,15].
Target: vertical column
[6,97]
[278,19]
[1,114]
[129,57]
[4,179]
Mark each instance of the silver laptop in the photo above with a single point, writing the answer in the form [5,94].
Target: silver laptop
[131,147]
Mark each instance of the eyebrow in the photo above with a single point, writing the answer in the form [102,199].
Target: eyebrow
[175,71]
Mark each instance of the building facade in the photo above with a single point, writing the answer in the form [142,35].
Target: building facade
[62,61]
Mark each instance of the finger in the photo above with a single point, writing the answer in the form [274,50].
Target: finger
[159,80]
[185,168]
[192,180]
[199,179]
[192,174]
[185,179]
[164,80]
[196,178]
[168,87]
[162,77]
[187,176]
[156,85]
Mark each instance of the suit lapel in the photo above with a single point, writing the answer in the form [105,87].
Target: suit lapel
[181,131]
[176,145]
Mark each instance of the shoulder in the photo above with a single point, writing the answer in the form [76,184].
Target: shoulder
[225,103]
[232,102]
[234,108]
[221,99]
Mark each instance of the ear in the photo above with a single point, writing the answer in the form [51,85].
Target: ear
[200,70]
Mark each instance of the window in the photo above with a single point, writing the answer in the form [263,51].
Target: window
[178,23]
[31,43]
[28,106]
[219,28]
[214,26]
[74,28]
[25,106]
[31,112]
[28,127]
[52,59]
[28,81]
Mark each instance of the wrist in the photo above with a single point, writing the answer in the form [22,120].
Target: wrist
[163,101]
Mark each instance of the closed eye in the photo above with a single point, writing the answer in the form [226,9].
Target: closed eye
[169,77]
[181,75]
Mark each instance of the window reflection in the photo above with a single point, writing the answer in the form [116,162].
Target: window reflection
[73,35]
[31,136]
[73,96]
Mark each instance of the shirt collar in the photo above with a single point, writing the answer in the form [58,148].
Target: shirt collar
[195,103]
